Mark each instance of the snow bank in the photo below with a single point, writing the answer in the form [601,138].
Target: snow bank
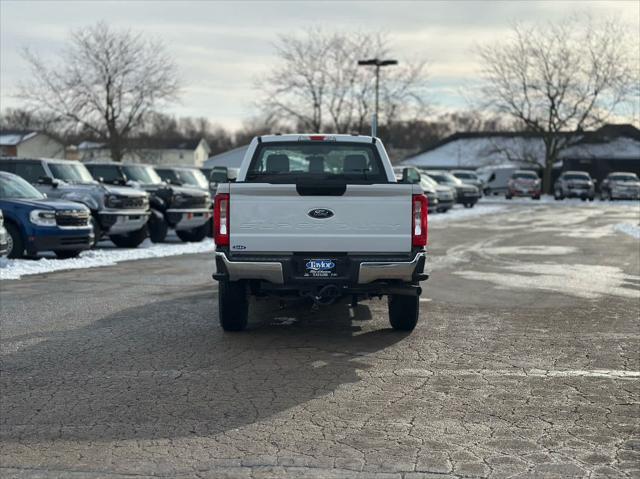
[550,200]
[628,229]
[459,213]
[16,268]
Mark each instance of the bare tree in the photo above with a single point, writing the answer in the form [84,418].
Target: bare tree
[318,86]
[19,119]
[107,82]
[560,79]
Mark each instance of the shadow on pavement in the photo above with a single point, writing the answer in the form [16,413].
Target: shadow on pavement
[166,370]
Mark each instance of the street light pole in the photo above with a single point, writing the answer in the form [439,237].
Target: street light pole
[378,64]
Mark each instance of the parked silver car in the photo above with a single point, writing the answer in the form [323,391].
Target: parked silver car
[619,186]
[574,184]
[446,194]
[466,194]
[469,177]
[409,174]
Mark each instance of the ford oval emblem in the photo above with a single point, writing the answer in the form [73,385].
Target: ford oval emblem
[320,213]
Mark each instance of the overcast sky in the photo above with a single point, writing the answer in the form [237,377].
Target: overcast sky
[221,47]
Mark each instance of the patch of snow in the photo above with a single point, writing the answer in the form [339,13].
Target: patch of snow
[16,268]
[628,229]
[461,213]
[561,278]
[531,250]
[549,200]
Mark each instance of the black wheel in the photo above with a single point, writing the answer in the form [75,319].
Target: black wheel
[557,195]
[535,197]
[591,198]
[67,253]
[97,231]
[130,240]
[15,244]
[468,205]
[403,312]
[194,235]
[233,305]
[210,228]
[508,197]
[158,229]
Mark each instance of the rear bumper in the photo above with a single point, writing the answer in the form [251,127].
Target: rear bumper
[79,239]
[468,197]
[444,205]
[356,270]
[524,192]
[122,221]
[186,219]
[625,194]
[578,193]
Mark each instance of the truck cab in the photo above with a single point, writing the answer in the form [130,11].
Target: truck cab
[320,217]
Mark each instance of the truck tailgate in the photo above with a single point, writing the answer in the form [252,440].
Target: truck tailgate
[275,218]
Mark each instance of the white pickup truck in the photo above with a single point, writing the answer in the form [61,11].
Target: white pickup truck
[322,217]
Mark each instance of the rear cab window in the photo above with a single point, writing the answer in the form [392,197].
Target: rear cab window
[309,161]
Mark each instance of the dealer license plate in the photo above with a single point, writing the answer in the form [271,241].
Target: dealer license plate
[320,268]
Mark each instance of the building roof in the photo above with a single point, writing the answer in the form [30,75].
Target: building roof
[15,137]
[231,159]
[150,144]
[473,149]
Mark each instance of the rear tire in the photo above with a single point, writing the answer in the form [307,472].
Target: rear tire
[233,305]
[68,253]
[194,235]
[403,312]
[508,197]
[97,231]
[16,244]
[158,229]
[535,197]
[130,240]
[210,228]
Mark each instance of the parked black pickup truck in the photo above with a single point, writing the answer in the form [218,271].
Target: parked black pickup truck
[186,210]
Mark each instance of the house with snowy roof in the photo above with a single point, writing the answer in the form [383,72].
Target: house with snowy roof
[179,152]
[609,148]
[30,144]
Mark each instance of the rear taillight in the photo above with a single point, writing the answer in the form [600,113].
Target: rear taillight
[221,219]
[419,222]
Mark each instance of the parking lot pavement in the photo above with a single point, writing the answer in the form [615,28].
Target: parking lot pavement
[525,363]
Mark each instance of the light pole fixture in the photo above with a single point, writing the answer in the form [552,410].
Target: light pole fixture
[378,64]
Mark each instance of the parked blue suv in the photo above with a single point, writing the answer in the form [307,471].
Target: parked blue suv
[35,223]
